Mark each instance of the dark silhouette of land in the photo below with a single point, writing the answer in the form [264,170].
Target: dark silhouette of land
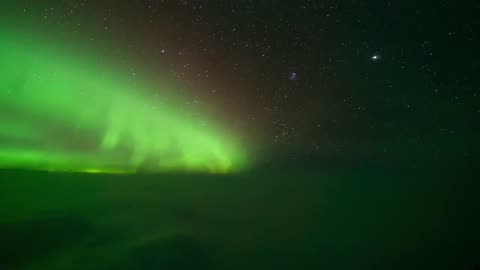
[289,218]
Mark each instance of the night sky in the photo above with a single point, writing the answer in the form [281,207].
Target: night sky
[310,80]
[239,134]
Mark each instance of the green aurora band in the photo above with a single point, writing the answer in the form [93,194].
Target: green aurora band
[60,111]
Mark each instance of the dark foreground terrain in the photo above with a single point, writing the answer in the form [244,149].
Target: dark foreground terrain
[266,219]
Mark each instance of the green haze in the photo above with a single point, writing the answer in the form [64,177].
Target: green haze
[67,110]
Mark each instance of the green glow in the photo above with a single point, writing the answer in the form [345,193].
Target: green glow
[62,112]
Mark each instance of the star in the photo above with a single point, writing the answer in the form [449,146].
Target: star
[292,76]
[375,57]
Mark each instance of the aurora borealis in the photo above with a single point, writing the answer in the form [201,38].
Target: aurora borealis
[239,135]
[64,112]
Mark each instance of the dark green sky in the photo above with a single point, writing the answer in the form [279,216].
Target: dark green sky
[418,100]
